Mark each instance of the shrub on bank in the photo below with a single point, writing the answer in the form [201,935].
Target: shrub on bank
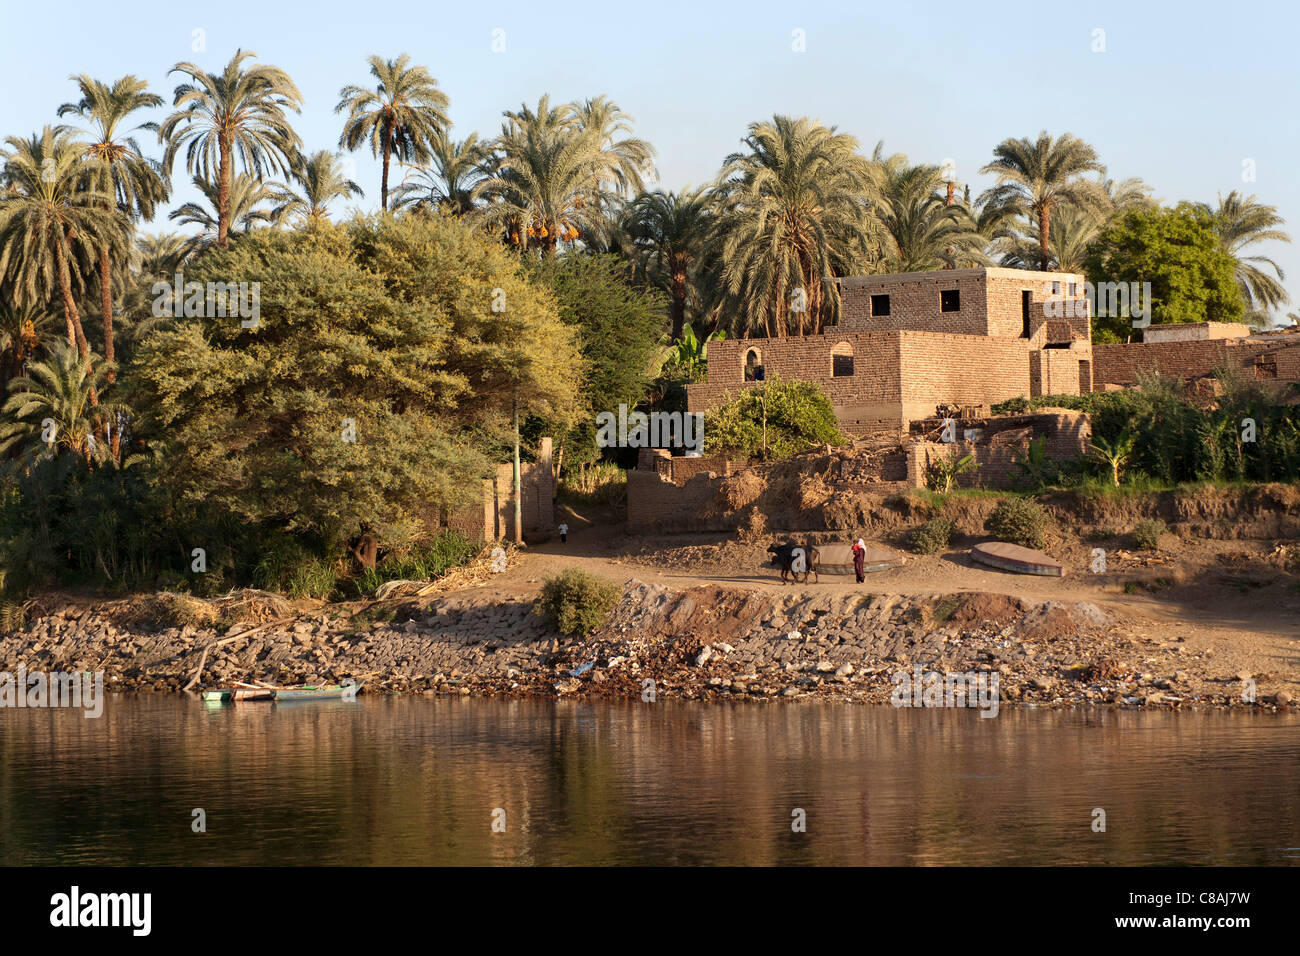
[577,602]
[423,561]
[1021,521]
[1146,534]
[932,537]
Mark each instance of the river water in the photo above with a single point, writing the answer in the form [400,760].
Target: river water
[390,780]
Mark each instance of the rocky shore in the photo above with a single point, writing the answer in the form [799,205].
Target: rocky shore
[700,643]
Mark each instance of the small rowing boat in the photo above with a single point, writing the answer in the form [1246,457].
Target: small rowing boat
[245,692]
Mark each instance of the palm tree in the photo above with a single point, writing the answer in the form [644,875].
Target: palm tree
[1035,176]
[250,202]
[60,387]
[120,170]
[670,232]
[448,180]
[795,211]
[624,162]
[544,184]
[240,113]
[320,181]
[53,224]
[156,258]
[926,229]
[1242,221]
[401,116]
[22,328]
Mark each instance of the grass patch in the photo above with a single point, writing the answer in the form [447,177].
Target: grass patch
[424,561]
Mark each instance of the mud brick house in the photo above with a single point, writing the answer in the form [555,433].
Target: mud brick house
[908,343]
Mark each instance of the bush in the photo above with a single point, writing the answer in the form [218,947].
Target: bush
[798,416]
[1021,521]
[1146,535]
[932,537]
[577,603]
[288,567]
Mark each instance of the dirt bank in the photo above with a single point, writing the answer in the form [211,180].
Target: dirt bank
[701,642]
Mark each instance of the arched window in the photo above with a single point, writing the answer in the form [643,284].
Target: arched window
[842,360]
[753,366]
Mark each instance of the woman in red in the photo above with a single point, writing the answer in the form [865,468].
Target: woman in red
[860,560]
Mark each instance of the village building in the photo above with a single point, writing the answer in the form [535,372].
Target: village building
[907,344]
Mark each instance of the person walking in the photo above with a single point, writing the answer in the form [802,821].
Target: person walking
[860,560]
[564,532]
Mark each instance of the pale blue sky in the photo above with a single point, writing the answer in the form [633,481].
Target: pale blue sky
[1181,96]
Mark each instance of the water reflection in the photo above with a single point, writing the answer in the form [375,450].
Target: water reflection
[415,781]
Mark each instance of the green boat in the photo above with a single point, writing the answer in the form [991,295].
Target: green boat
[226,695]
[321,692]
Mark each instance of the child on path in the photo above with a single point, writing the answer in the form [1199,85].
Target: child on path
[564,532]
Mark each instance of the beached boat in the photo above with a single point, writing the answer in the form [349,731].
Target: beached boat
[838,559]
[1012,557]
[282,694]
[321,692]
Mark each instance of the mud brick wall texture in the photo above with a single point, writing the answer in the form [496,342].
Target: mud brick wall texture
[656,504]
[1257,357]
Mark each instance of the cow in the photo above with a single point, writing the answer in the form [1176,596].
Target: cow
[794,560]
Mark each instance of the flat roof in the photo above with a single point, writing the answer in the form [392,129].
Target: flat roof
[995,271]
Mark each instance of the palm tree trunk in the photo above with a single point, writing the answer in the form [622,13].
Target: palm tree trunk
[1044,212]
[77,333]
[679,304]
[106,308]
[383,185]
[223,193]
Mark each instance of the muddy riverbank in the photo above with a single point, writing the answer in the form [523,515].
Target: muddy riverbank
[695,643]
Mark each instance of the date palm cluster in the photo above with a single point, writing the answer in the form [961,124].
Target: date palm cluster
[756,251]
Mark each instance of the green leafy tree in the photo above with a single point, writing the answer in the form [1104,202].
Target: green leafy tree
[250,202]
[357,408]
[617,327]
[238,113]
[1176,250]
[402,116]
[775,420]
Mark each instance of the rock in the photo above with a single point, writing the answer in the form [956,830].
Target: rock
[703,656]
[1042,683]
[1282,698]
[1152,699]
[793,636]
[723,648]
[844,670]
[790,692]
[825,667]
[1244,675]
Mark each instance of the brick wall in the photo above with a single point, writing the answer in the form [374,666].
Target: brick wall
[1120,364]
[537,484]
[960,369]
[914,302]
[998,443]
[1192,331]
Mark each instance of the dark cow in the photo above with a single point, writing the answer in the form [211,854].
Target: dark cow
[783,557]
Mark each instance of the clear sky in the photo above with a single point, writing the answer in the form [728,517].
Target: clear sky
[1183,95]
